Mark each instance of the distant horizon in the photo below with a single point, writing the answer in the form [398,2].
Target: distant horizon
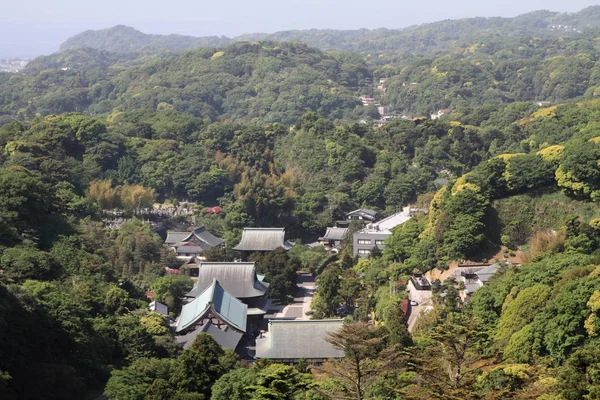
[39,28]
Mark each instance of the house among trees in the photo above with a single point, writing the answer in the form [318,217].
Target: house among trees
[159,308]
[374,234]
[240,280]
[216,312]
[364,214]
[476,277]
[289,341]
[333,238]
[192,244]
[263,239]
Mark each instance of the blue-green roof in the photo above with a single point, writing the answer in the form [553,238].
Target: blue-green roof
[216,299]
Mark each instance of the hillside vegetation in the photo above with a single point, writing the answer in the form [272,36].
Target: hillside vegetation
[274,134]
[423,39]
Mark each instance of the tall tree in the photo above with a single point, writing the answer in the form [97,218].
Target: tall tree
[367,359]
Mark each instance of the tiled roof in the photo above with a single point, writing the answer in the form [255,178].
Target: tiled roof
[335,234]
[263,239]
[364,212]
[176,237]
[238,278]
[216,299]
[486,273]
[207,237]
[299,339]
[201,234]
[227,338]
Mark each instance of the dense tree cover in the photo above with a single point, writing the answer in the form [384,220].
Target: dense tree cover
[282,152]
[275,82]
[451,64]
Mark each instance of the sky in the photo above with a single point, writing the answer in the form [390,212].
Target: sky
[29,28]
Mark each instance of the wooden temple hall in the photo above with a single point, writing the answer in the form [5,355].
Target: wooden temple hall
[216,312]
[239,281]
[262,239]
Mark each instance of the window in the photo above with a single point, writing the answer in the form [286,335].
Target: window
[379,241]
[364,241]
[364,251]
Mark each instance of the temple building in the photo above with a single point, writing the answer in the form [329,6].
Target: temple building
[289,341]
[262,239]
[192,244]
[241,281]
[216,312]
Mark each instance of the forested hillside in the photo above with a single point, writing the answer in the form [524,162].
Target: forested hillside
[279,82]
[274,134]
[269,81]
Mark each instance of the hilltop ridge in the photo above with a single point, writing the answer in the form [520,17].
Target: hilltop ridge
[418,38]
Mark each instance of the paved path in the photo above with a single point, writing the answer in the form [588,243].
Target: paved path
[301,304]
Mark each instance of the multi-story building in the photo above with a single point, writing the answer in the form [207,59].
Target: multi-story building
[374,234]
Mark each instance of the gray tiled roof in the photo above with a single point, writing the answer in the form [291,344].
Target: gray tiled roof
[176,237]
[337,234]
[238,278]
[191,248]
[216,299]
[227,338]
[300,339]
[200,233]
[363,212]
[207,237]
[262,239]
[486,273]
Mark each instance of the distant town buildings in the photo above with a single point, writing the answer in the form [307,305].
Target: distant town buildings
[12,64]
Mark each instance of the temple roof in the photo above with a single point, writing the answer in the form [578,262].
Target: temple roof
[227,338]
[200,233]
[337,234]
[263,239]
[299,339]
[216,299]
[238,278]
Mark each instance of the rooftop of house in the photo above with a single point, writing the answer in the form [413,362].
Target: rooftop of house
[364,213]
[337,234]
[385,225]
[158,307]
[216,299]
[263,239]
[238,278]
[486,273]
[299,339]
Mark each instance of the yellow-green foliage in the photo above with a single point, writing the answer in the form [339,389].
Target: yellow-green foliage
[520,312]
[217,55]
[591,323]
[506,157]
[435,209]
[548,112]
[462,184]
[596,140]
[552,153]
[566,180]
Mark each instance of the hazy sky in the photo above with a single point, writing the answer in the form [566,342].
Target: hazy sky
[33,27]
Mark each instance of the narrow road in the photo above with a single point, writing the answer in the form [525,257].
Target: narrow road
[301,304]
